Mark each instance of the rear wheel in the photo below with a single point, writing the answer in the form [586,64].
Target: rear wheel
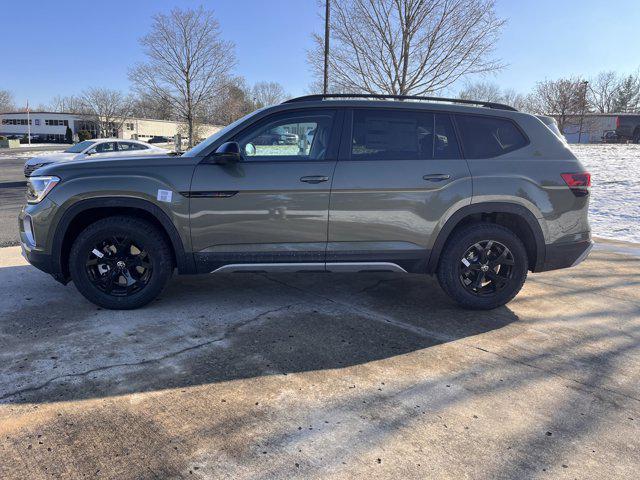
[636,136]
[483,266]
[120,262]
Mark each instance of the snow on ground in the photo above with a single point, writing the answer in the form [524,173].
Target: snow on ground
[614,210]
[14,154]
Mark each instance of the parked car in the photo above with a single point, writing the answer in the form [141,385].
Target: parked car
[474,192]
[610,136]
[158,139]
[104,147]
[628,127]
[276,136]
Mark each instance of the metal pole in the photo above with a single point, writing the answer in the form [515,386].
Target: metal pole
[326,47]
[28,124]
[584,106]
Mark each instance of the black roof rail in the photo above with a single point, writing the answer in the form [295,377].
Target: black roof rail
[312,98]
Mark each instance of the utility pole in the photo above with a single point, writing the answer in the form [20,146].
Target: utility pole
[584,106]
[326,47]
[28,124]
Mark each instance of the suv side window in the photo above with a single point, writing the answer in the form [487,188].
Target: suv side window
[290,136]
[488,137]
[402,135]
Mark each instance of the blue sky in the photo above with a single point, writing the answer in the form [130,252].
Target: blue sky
[61,47]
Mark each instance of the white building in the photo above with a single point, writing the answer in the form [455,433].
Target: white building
[52,127]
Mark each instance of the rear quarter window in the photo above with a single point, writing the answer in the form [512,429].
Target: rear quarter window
[488,137]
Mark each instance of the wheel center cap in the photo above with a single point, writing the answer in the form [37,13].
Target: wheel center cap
[121,265]
[484,268]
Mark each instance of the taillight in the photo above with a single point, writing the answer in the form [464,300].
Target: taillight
[579,183]
[617,122]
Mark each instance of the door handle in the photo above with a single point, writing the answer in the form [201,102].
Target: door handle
[436,177]
[314,179]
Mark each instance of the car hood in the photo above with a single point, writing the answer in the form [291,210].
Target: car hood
[51,158]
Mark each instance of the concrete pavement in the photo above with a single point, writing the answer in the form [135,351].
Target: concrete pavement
[323,376]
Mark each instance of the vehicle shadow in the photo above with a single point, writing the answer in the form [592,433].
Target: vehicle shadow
[208,329]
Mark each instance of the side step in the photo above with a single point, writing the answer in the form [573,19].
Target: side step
[312,267]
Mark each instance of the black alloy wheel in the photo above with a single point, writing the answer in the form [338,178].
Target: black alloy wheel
[486,267]
[119,266]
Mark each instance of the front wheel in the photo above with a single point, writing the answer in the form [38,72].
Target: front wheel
[483,266]
[120,262]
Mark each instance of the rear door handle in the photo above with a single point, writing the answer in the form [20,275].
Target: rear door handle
[314,179]
[436,177]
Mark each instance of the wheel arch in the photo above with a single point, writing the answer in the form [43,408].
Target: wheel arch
[81,214]
[516,217]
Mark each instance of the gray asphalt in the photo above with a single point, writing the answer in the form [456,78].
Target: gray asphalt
[250,376]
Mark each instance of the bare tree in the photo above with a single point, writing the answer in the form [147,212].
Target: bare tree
[71,104]
[491,92]
[406,47]
[6,101]
[485,91]
[107,109]
[562,98]
[233,102]
[268,93]
[188,63]
[147,105]
[602,91]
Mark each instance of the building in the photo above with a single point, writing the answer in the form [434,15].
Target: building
[595,126]
[52,127]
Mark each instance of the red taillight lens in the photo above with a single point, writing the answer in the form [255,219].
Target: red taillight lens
[579,183]
[617,122]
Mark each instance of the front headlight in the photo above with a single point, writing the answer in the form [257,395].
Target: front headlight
[39,187]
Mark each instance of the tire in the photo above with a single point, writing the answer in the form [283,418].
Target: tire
[465,276]
[141,277]
[636,136]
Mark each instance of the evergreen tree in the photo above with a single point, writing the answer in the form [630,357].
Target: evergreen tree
[68,135]
[627,99]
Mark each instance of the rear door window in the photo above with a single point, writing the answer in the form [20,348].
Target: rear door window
[402,135]
[488,137]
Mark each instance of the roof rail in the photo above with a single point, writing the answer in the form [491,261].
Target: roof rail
[312,98]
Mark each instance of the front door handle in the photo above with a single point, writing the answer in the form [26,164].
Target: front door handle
[436,177]
[314,179]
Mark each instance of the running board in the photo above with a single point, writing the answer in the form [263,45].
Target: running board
[312,267]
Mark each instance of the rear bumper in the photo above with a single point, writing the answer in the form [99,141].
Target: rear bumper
[565,255]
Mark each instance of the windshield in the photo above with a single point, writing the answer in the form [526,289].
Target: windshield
[79,147]
[195,151]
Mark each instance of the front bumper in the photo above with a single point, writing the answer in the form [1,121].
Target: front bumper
[566,255]
[33,244]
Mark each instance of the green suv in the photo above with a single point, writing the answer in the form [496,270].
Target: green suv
[475,192]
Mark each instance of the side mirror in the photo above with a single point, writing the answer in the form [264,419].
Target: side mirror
[91,152]
[226,153]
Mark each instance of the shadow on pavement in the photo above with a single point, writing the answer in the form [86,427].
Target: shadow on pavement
[211,329]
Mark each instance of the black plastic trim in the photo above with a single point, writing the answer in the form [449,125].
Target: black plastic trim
[210,194]
[488,207]
[563,255]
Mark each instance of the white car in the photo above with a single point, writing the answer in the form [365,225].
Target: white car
[98,148]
